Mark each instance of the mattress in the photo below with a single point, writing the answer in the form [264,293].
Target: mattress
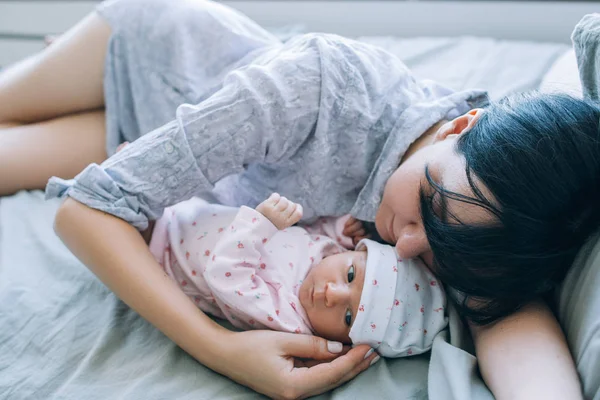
[64,335]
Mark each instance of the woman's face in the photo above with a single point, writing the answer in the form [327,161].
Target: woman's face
[398,219]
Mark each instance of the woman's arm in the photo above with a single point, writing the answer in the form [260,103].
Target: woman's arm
[117,254]
[525,356]
[263,114]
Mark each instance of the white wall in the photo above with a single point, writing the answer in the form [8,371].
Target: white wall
[35,18]
[530,20]
[541,21]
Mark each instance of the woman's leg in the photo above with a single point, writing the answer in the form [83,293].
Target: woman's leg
[30,154]
[51,118]
[62,79]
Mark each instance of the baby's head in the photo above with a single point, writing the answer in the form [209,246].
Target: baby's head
[370,296]
[330,294]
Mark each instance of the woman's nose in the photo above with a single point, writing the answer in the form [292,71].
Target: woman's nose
[335,294]
[412,242]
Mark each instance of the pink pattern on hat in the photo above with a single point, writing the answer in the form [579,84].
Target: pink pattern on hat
[408,287]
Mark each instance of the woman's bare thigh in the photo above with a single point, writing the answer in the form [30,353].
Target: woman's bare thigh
[64,78]
[31,154]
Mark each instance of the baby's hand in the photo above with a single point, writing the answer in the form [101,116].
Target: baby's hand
[353,228]
[282,212]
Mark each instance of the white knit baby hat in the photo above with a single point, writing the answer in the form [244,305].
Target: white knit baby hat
[402,306]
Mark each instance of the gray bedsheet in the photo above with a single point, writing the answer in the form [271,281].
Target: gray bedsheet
[63,335]
[501,67]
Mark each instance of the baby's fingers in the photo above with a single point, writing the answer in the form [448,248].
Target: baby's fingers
[292,211]
[282,212]
[274,198]
[297,214]
[282,204]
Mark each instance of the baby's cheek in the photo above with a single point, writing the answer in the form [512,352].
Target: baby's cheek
[315,322]
[325,326]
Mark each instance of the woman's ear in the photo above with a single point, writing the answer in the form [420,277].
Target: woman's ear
[459,125]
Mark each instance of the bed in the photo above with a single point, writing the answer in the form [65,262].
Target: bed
[63,335]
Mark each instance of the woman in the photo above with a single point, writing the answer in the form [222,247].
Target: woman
[342,127]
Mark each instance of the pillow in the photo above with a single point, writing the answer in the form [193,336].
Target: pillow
[579,315]
[563,76]
[579,297]
[586,42]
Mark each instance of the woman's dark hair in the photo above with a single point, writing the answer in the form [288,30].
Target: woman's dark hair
[539,157]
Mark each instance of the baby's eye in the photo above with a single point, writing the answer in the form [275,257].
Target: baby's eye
[351,273]
[348,317]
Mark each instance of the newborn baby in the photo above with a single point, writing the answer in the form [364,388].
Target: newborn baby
[253,268]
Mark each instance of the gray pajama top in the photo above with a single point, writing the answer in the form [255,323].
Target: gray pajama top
[234,114]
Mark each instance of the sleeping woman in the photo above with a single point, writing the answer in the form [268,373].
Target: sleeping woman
[496,199]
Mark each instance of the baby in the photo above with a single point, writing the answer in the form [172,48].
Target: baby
[253,268]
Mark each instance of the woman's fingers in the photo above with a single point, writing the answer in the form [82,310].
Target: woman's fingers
[291,365]
[352,227]
[347,225]
[312,347]
[326,376]
[320,377]
[307,363]
[360,233]
[357,239]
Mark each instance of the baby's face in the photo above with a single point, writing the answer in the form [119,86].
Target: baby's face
[331,292]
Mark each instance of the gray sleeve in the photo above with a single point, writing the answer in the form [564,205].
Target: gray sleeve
[586,42]
[264,113]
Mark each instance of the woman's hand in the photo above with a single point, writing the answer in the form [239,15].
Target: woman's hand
[290,366]
[354,229]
